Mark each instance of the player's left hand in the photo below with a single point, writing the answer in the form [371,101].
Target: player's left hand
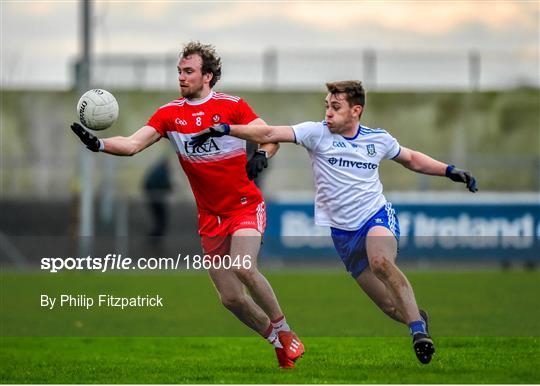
[89,139]
[218,130]
[464,176]
[256,164]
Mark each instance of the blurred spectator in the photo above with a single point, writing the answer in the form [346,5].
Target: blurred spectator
[157,185]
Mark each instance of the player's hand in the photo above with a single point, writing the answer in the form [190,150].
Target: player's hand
[218,130]
[464,176]
[256,164]
[89,139]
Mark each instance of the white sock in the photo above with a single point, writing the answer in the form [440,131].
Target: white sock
[280,325]
[274,339]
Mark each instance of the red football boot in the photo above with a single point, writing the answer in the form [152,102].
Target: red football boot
[283,359]
[292,346]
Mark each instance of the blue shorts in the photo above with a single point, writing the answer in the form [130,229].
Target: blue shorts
[351,245]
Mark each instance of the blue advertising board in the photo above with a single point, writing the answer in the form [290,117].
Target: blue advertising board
[438,230]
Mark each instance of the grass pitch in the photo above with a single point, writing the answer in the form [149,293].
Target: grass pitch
[249,360]
[486,328]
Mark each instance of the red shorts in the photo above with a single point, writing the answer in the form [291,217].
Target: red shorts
[216,231]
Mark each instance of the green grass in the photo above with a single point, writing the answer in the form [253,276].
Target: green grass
[486,326]
[249,360]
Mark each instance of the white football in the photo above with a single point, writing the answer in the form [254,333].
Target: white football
[97,109]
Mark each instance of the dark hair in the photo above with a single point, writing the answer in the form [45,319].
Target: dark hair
[211,62]
[356,95]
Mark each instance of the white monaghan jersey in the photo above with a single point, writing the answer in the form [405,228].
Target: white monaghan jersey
[346,172]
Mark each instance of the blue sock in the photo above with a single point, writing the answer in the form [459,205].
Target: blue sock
[418,326]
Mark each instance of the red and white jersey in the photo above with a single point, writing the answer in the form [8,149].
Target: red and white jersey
[217,169]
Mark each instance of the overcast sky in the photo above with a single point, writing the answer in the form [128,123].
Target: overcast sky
[40,39]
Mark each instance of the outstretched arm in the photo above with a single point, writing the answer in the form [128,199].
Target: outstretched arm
[269,148]
[263,134]
[133,144]
[422,163]
[254,133]
[124,146]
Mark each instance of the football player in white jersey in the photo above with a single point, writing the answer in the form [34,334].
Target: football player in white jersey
[345,157]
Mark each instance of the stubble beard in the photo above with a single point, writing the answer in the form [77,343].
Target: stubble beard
[190,93]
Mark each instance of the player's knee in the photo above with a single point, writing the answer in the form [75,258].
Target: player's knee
[248,276]
[233,301]
[380,265]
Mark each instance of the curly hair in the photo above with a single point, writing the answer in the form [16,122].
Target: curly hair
[356,95]
[211,62]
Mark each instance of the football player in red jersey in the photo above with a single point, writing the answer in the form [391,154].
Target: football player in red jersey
[231,221]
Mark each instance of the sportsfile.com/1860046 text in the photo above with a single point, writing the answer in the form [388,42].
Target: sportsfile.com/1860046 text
[112,262]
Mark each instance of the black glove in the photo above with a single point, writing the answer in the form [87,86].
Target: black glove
[464,176]
[218,130]
[256,164]
[89,139]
